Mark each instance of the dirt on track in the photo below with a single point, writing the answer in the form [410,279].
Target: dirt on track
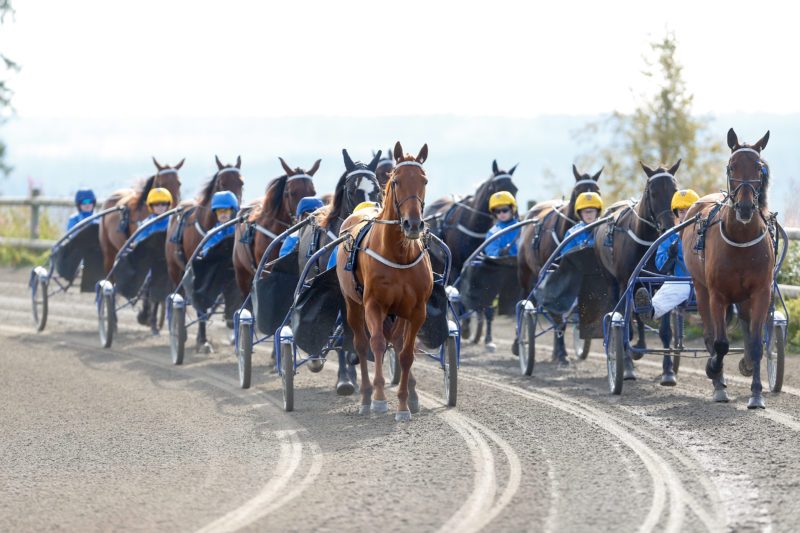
[96,439]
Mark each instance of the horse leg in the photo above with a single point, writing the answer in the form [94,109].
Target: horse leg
[203,345]
[719,345]
[374,317]
[559,346]
[406,356]
[491,347]
[413,398]
[479,326]
[143,316]
[154,318]
[759,308]
[665,333]
[355,318]
[344,385]
[642,342]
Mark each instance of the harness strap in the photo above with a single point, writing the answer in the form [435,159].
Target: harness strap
[555,237]
[264,231]
[557,211]
[467,231]
[741,244]
[199,228]
[636,239]
[375,255]
[703,225]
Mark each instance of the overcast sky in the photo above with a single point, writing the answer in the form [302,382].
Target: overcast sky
[107,58]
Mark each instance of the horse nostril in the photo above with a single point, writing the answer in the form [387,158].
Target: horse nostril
[406,225]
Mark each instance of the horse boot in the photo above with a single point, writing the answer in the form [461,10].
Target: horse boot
[559,348]
[488,343]
[344,385]
[154,321]
[629,373]
[720,395]
[746,366]
[668,375]
[143,316]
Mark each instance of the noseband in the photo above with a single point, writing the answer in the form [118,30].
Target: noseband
[651,214]
[393,181]
[755,186]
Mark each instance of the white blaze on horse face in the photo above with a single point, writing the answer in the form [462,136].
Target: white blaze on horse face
[367,186]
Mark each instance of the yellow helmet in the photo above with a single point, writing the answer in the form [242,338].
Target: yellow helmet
[502,198]
[367,205]
[683,199]
[159,195]
[588,199]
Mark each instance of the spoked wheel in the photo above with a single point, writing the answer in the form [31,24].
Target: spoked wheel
[450,372]
[244,354]
[107,320]
[39,302]
[391,365]
[775,353]
[526,349]
[581,346]
[677,338]
[615,358]
[287,377]
[177,334]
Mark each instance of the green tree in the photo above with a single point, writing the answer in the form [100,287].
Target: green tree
[6,93]
[660,130]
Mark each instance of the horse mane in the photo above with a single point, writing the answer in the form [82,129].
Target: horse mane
[336,206]
[141,200]
[762,197]
[274,197]
[208,190]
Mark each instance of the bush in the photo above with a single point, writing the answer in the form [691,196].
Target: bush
[793,335]
[790,271]
[20,257]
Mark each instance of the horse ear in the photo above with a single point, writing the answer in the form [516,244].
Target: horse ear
[733,140]
[674,167]
[511,172]
[494,167]
[286,167]
[314,167]
[575,173]
[158,165]
[374,163]
[238,161]
[398,152]
[348,162]
[762,142]
[596,177]
[647,170]
[220,166]
[180,164]
[423,154]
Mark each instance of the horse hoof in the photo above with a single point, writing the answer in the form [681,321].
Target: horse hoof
[315,365]
[363,410]
[413,405]
[668,379]
[563,363]
[490,347]
[155,332]
[635,355]
[720,396]
[756,402]
[515,348]
[744,369]
[345,388]
[402,416]
[204,348]
[380,406]
[630,373]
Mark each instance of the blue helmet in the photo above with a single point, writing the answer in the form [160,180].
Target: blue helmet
[224,200]
[308,204]
[85,196]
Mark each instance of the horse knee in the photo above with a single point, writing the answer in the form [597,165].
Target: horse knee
[721,347]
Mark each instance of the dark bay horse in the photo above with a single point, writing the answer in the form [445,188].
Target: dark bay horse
[463,223]
[357,184]
[620,244]
[186,230]
[384,169]
[116,227]
[392,277]
[734,264]
[270,216]
[539,240]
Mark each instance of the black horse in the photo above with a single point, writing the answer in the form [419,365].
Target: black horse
[357,184]
[620,245]
[463,223]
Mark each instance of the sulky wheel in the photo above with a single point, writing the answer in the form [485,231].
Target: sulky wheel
[391,365]
[450,372]
[39,302]
[615,358]
[775,354]
[106,319]
[177,334]
[287,375]
[244,354]
[526,348]
[581,346]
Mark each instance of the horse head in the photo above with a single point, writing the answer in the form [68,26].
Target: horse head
[405,198]
[228,178]
[584,183]
[167,177]
[384,168]
[360,182]
[298,185]
[748,177]
[500,180]
[657,197]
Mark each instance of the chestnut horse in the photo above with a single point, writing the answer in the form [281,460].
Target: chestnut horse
[538,241]
[620,244]
[188,228]
[270,216]
[392,277]
[735,263]
[116,227]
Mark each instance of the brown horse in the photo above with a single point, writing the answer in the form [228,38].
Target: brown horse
[187,229]
[384,169]
[538,241]
[392,277]
[116,227]
[735,263]
[270,216]
[620,244]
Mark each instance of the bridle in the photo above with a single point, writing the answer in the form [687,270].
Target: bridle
[756,186]
[652,216]
[392,184]
[363,173]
